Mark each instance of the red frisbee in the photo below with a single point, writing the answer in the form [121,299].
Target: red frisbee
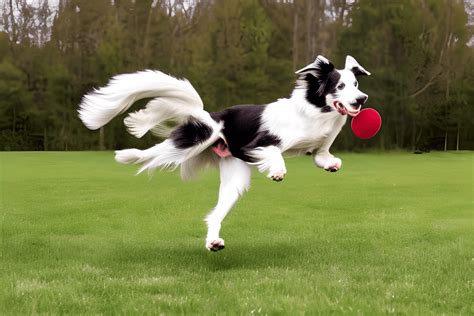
[366,124]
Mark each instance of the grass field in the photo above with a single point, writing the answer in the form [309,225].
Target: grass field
[389,233]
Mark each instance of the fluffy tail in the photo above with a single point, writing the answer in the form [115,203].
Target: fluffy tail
[165,155]
[171,153]
[175,100]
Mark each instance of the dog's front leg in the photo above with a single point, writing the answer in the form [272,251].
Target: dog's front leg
[327,161]
[269,160]
[235,180]
[323,158]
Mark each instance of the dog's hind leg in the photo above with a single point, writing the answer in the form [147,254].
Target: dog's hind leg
[235,180]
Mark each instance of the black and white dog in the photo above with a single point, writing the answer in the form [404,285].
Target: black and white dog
[233,139]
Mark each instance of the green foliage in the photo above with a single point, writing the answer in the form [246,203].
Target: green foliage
[416,51]
[13,106]
[236,52]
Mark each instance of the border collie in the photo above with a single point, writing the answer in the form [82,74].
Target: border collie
[234,139]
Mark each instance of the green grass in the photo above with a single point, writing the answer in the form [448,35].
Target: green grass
[389,233]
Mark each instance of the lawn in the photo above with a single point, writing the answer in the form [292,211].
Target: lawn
[389,233]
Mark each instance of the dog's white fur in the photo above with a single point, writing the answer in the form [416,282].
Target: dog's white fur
[300,126]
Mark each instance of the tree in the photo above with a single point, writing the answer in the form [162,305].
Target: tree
[234,52]
[410,44]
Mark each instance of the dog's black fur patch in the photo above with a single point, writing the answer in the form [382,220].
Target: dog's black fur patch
[262,139]
[321,78]
[242,129]
[190,134]
[318,88]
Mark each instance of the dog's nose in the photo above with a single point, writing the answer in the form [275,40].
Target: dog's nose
[362,99]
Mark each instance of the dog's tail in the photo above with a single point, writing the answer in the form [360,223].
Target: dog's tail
[186,147]
[164,156]
[174,100]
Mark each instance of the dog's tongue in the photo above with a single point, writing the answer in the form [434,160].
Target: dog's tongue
[354,114]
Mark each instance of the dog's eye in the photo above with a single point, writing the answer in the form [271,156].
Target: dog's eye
[341,86]
[356,84]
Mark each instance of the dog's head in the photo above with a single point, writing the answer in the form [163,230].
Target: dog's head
[331,89]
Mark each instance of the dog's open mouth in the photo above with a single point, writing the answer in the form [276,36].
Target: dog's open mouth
[343,110]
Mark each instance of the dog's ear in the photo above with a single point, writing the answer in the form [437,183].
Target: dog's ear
[319,68]
[318,73]
[353,65]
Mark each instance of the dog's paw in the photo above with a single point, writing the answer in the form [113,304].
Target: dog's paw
[215,245]
[278,175]
[333,164]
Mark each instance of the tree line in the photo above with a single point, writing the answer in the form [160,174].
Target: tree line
[236,52]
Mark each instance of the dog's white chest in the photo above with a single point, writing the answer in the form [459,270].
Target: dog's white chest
[299,130]
[315,133]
